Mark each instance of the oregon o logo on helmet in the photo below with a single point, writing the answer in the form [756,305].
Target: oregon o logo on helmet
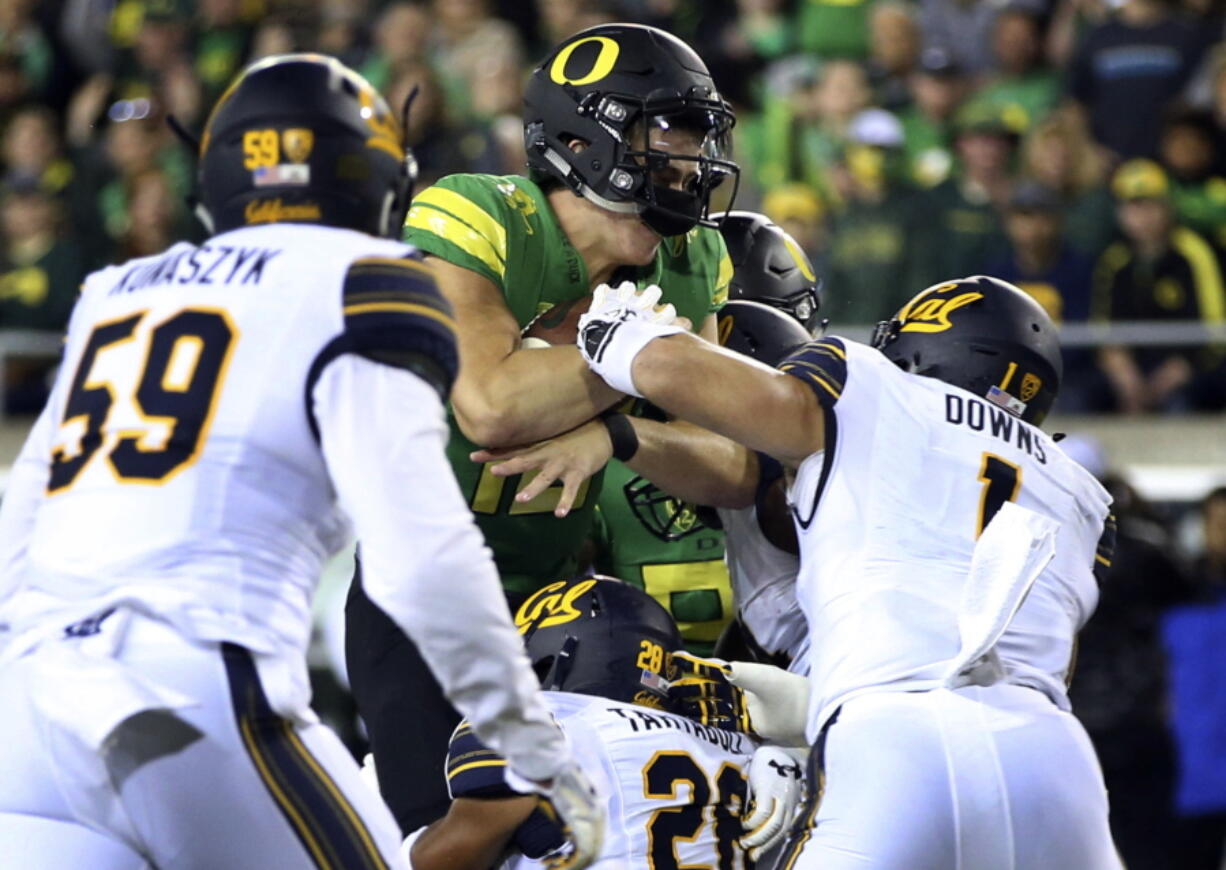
[601,67]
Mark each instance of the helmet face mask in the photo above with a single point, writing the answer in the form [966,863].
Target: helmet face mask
[983,335]
[647,115]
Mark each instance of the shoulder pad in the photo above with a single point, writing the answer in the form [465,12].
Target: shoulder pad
[473,769]
[822,366]
[394,314]
[462,219]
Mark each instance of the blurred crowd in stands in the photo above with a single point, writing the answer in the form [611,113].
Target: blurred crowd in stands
[1075,147]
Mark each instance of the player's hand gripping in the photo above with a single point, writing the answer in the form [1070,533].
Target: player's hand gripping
[762,700]
[579,810]
[619,322]
[699,689]
[776,788]
[571,458]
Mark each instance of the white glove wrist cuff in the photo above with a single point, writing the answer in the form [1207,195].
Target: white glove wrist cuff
[615,360]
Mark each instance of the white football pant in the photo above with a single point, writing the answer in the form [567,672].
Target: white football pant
[975,778]
[221,780]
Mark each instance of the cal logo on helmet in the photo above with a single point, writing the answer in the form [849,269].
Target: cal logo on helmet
[550,605]
[932,314]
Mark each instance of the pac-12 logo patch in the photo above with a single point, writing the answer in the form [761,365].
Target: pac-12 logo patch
[296,144]
[1031,384]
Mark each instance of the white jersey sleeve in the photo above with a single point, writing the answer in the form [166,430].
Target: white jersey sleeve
[383,434]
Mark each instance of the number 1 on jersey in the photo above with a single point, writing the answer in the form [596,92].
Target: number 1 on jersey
[1002,480]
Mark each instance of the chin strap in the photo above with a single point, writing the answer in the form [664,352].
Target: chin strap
[559,163]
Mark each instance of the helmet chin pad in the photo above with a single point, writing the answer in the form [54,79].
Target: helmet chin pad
[673,213]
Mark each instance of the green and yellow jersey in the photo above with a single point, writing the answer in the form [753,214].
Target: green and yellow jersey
[661,545]
[503,228]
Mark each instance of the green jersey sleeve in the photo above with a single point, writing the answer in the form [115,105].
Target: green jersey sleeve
[462,219]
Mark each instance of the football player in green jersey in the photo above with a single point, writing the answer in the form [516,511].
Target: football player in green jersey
[626,138]
[645,535]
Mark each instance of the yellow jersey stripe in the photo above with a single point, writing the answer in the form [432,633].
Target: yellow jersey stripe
[366,842]
[424,216]
[1102,561]
[403,307]
[472,764]
[1209,292]
[722,279]
[305,832]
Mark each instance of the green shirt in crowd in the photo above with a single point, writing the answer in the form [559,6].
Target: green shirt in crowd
[661,545]
[873,258]
[503,228]
[834,28]
[39,292]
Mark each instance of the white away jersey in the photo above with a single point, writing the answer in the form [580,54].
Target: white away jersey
[185,476]
[675,788]
[888,516]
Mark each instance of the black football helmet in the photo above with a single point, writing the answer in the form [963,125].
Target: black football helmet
[760,331]
[617,88]
[599,636]
[984,335]
[301,137]
[769,267]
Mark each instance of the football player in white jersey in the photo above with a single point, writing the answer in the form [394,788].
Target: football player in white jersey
[677,790]
[226,416]
[927,503]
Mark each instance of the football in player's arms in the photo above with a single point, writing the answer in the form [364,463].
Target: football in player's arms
[678,792]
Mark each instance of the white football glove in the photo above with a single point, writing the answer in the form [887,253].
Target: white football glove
[577,807]
[619,323]
[776,788]
[777,701]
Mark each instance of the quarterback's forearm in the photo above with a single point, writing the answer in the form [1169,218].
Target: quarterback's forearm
[740,399]
[528,395]
[425,564]
[694,464]
[474,833]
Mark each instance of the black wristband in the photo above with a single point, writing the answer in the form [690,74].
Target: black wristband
[622,435]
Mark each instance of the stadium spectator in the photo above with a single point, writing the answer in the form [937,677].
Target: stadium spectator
[1129,67]
[963,28]
[1020,83]
[155,219]
[472,47]
[31,151]
[1161,270]
[401,36]
[963,230]
[221,42]
[1119,686]
[873,240]
[937,88]
[1195,638]
[834,28]
[1058,153]
[1191,149]
[895,46]
[1039,259]
[40,270]
[22,39]
[802,215]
